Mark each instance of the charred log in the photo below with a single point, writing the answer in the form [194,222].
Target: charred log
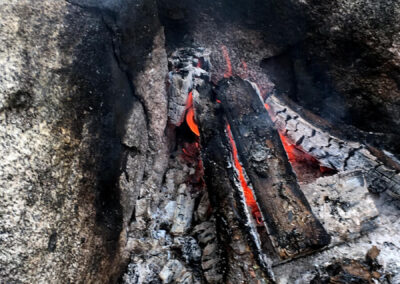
[317,138]
[292,227]
[184,76]
[237,234]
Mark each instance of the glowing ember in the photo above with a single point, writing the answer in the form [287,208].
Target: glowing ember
[191,156]
[191,152]
[248,193]
[289,148]
[228,71]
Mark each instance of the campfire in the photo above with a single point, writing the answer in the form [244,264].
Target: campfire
[197,141]
[257,153]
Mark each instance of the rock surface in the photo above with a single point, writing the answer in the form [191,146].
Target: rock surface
[345,66]
[361,51]
[63,105]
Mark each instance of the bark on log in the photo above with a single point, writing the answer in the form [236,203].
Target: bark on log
[238,237]
[293,228]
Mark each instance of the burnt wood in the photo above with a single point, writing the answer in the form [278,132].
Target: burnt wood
[245,261]
[332,149]
[291,225]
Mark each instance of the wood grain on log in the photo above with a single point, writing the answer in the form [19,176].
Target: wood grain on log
[292,227]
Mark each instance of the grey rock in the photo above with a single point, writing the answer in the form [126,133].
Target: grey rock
[113,5]
[369,31]
[63,100]
[135,132]
[130,182]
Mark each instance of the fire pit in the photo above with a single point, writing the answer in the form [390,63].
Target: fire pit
[274,186]
[265,158]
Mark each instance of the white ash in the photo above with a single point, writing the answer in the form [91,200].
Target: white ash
[355,218]
[343,204]
[172,270]
[165,238]
[385,232]
[183,212]
[191,251]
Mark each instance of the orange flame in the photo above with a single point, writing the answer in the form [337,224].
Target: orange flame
[228,71]
[248,193]
[190,115]
[191,123]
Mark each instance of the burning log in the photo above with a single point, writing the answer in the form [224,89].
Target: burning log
[245,261]
[291,225]
[310,133]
